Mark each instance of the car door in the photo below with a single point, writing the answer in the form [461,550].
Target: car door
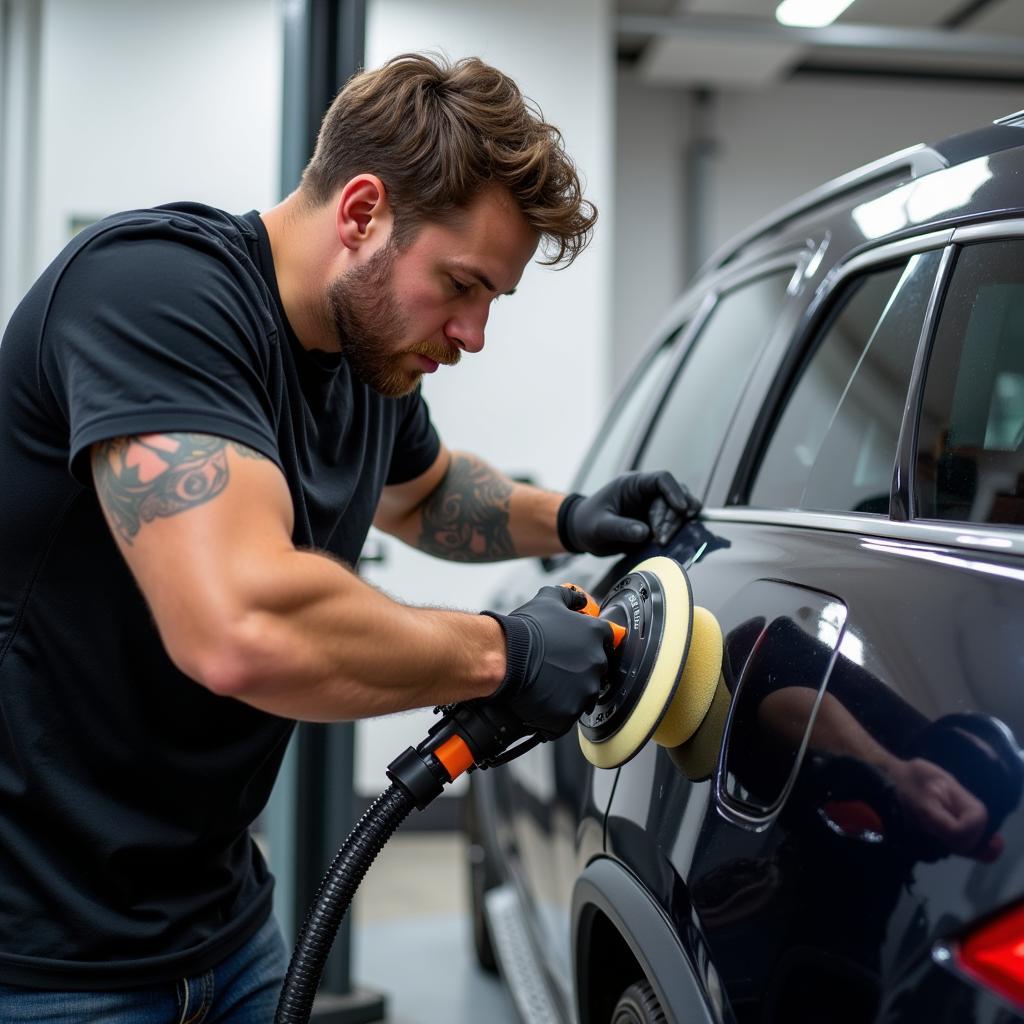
[555,799]
[850,688]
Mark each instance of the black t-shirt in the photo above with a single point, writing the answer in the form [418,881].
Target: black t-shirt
[127,789]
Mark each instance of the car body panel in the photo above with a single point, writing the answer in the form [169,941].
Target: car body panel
[885,903]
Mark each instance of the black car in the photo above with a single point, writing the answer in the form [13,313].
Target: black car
[842,840]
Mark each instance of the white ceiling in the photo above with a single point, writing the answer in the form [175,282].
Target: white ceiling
[751,60]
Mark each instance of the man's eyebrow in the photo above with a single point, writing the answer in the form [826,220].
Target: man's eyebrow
[481,277]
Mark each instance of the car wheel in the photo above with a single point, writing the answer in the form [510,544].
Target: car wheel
[482,945]
[638,1005]
[480,880]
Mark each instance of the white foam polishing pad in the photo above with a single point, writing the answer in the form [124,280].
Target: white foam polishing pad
[698,756]
[620,727]
[696,689]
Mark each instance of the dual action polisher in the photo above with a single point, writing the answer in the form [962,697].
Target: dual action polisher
[662,679]
[665,669]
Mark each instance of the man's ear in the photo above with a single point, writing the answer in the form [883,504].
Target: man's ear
[363,213]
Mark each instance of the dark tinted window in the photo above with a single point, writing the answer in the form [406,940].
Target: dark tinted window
[834,445]
[618,434]
[970,459]
[699,406]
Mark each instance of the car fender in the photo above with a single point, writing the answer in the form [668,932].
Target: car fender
[606,887]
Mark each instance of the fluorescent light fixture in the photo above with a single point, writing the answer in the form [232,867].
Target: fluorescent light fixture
[810,13]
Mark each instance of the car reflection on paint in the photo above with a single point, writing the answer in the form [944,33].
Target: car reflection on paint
[842,839]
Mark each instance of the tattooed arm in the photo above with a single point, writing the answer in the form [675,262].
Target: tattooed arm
[464,510]
[205,525]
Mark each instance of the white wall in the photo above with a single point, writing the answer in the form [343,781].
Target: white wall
[148,103]
[528,401]
[773,145]
[648,215]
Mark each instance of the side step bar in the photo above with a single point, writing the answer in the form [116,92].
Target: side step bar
[516,958]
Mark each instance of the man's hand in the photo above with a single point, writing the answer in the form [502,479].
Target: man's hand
[556,660]
[625,514]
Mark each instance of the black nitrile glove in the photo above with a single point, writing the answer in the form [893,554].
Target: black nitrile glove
[556,660]
[625,513]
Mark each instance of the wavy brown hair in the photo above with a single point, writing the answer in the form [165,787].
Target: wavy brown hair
[437,134]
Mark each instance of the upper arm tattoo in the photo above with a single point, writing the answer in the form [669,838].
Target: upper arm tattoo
[466,518]
[140,478]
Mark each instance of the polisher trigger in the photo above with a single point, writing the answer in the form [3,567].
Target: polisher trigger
[592,608]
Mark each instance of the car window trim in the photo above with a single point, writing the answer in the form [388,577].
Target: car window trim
[989,231]
[821,307]
[901,491]
[737,811]
[1002,540]
[864,261]
[726,283]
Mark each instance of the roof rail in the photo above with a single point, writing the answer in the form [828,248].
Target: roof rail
[916,161]
[1014,120]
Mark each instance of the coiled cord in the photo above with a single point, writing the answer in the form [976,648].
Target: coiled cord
[332,900]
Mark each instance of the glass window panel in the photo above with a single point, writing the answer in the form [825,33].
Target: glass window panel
[970,456]
[834,446]
[696,413]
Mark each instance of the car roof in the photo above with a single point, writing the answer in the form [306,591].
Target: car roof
[795,221]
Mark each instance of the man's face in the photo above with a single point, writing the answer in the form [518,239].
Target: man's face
[402,313]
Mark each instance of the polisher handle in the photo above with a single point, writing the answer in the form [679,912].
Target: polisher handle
[592,608]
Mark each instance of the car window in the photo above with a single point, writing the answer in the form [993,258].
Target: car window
[618,433]
[834,445]
[970,453]
[697,410]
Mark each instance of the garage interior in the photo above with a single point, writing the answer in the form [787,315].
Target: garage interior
[690,121]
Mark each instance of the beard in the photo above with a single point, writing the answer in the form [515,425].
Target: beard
[370,328]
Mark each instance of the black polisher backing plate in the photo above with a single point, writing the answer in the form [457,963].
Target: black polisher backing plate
[642,601]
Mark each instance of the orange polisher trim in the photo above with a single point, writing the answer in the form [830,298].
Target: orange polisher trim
[618,633]
[455,755]
[592,608]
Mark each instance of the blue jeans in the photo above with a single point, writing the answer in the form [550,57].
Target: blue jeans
[243,989]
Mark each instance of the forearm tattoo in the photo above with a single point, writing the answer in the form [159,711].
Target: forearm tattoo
[140,478]
[466,519]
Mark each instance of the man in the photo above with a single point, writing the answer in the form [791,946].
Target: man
[200,416]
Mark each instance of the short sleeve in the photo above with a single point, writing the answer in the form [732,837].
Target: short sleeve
[416,443]
[149,332]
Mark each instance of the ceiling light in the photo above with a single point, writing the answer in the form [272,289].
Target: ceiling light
[810,13]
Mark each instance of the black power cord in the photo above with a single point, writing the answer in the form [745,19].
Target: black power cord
[333,898]
[472,734]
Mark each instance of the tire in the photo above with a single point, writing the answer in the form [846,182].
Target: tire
[483,947]
[480,880]
[638,1005]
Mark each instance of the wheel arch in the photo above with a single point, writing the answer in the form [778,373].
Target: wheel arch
[608,896]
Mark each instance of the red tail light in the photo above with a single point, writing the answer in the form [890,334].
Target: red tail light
[993,954]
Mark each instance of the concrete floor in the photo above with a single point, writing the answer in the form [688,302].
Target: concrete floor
[411,937]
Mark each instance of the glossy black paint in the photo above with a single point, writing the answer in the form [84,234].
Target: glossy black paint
[789,897]
[794,865]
